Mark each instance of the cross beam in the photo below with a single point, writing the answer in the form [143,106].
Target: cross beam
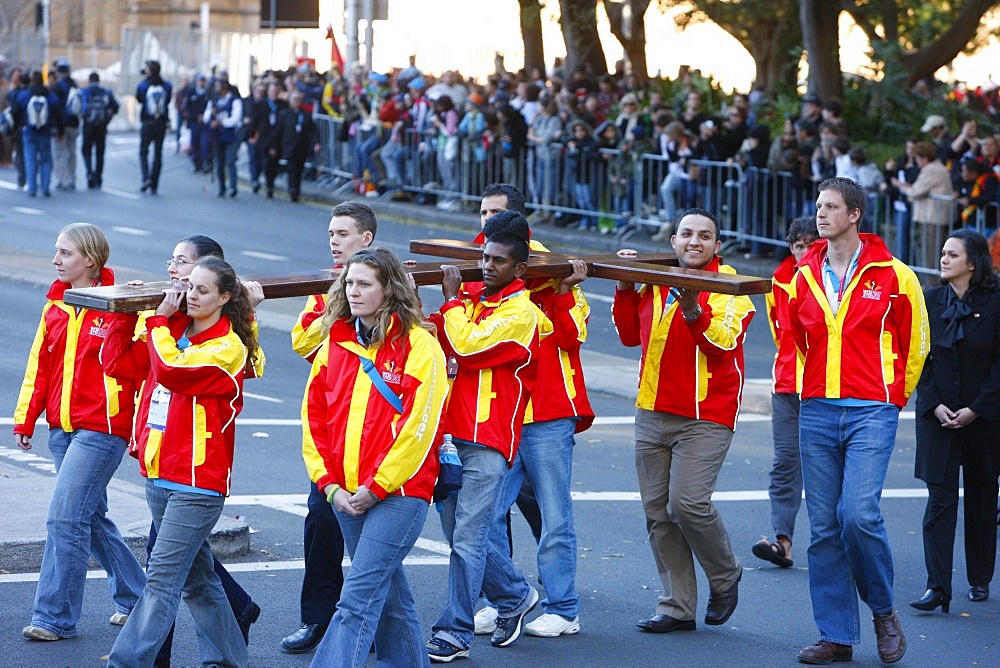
[649,268]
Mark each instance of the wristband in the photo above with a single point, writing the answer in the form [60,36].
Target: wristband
[333,492]
[695,314]
[373,495]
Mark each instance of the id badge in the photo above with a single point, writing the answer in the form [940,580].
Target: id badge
[158,405]
[298,129]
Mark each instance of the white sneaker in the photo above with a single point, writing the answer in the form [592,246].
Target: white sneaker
[118,619]
[552,626]
[486,621]
[38,633]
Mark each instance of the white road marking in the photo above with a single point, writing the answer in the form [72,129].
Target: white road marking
[264,256]
[245,567]
[135,232]
[28,210]
[7,185]
[262,397]
[121,193]
[599,421]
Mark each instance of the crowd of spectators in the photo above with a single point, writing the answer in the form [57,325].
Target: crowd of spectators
[596,151]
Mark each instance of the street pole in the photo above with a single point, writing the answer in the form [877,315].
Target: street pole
[47,34]
[369,32]
[274,21]
[352,35]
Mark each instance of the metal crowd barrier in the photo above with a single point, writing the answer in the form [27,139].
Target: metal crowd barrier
[614,191]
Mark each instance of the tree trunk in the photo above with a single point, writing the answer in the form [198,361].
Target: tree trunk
[531,34]
[780,66]
[579,28]
[819,19]
[633,40]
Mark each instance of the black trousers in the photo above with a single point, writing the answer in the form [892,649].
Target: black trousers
[152,133]
[941,518]
[94,140]
[324,555]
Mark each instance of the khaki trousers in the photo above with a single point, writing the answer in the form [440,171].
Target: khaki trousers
[677,460]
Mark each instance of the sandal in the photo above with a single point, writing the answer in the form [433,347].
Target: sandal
[773,552]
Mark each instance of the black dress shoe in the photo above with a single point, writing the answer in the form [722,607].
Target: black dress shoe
[305,639]
[979,593]
[721,606]
[931,599]
[666,624]
[247,619]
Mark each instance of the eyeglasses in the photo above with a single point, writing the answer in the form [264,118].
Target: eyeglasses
[177,263]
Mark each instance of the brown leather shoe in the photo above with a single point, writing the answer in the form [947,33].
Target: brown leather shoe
[825,652]
[891,643]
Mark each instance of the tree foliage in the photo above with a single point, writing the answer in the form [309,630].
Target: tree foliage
[768,29]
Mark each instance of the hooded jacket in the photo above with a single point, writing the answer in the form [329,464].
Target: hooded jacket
[691,369]
[874,348]
[352,436]
[64,378]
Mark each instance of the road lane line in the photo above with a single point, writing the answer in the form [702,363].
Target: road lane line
[264,397]
[120,193]
[28,210]
[135,232]
[264,256]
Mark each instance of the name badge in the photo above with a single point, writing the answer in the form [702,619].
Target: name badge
[272,119]
[158,405]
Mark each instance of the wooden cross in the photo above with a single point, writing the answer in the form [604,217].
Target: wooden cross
[651,268]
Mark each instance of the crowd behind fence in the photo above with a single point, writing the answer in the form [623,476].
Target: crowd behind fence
[613,191]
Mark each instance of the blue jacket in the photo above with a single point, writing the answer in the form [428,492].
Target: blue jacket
[140,97]
[94,89]
[55,120]
[63,87]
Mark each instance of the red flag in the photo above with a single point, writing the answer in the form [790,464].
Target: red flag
[335,56]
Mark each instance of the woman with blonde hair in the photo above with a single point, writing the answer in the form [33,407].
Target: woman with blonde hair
[371,417]
[89,415]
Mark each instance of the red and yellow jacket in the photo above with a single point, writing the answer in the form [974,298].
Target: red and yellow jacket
[874,348]
[786,374]
[186,421]
[691,369]
[307,334]
[496,340]
[560,373]
[64,378]
[352,436]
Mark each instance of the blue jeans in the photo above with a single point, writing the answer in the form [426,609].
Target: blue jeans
[785,489]
[845,455]
[78,526]
[545,458]
[476,563]
[376,602]
[181,562]
[225,160]
[37,159]
[581,194]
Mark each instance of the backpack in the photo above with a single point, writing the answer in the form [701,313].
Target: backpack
[97,108]
[37,112]
[7,124]
[156,101]
[74,102]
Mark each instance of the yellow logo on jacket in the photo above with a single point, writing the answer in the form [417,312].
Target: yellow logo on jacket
[872,291]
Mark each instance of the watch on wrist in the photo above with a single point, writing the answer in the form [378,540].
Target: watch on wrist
[694,315]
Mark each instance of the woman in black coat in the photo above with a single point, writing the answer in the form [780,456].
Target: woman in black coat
[958,405]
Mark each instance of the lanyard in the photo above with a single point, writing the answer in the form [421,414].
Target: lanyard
[831,278]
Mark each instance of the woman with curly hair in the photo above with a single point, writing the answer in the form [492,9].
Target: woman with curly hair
[371,416]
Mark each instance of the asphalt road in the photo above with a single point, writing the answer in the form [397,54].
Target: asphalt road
[616,576]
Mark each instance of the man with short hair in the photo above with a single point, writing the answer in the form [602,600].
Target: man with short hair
[294,140]
[224,115]
[494,334]
[64,143]
[99,107]
[690,387]
[858,318]
[352,227]
[153,95]
[785,489]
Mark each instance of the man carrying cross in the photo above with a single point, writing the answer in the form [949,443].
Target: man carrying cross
[684,423]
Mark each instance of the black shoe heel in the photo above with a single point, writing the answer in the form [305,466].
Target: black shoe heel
[932,600]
